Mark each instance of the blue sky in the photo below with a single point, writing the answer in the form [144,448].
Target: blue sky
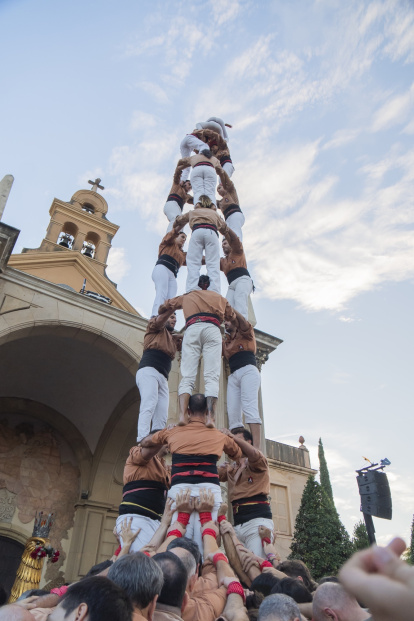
[320,95]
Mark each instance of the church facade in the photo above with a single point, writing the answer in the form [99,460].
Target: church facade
[69,352]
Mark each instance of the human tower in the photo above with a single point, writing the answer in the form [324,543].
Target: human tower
[194,443]
[206,154]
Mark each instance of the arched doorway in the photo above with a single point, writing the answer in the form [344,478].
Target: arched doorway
[10,554]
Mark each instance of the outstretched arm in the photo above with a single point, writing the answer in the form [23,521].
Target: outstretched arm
[247,449]
[181,221]
[171,305]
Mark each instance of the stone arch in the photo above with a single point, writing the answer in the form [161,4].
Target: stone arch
[87,197]
[53,418]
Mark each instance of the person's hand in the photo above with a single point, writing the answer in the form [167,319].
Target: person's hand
[226,528]
[126,533]
[222,509]
[265,533]
[205,501]
[226,432]
[248,560]
[168,512]
[184,502]
[379,578]
[29,603]
[149,548]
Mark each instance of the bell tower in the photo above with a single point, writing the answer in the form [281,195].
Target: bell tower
[76,246]
[80,225]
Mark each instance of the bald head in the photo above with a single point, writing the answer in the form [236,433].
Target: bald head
[332,602]
[15,613]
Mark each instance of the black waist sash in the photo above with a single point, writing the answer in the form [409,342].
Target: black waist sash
[231,209]
[225,159]
[241,359]
[177,199]
[205,225]
[144,498]
[246,509]
[194,469]
[170,262]
[236,273]
[157,359]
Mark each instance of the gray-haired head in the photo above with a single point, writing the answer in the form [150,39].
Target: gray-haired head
[278,607]
[331,597]
[189,563]
[139,576]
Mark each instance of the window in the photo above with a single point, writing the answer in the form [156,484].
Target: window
[280,508]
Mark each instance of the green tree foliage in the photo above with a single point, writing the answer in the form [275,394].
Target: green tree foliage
[410,550]
[320,539]
[324,472]
[360,539]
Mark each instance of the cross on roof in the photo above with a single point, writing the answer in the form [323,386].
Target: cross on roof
[95,185]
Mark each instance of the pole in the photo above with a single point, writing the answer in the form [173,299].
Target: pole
[369,523]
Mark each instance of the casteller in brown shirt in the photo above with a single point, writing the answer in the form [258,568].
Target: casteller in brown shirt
[229,203]
[234,264]
[239,348]
[145,485]
[199,216]
[169,254]
[160,345]
[177,192]
[195,451]
[248,487]
[199,303]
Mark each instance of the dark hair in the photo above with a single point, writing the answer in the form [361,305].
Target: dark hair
[206,151]
[96,569]
[294,588]
[105,600]
[186,544]
[203,280]
[264,583]
[197,404]
[297,568]
[139,576]
[31,592]
[175,579]
[328,579]
[247,436]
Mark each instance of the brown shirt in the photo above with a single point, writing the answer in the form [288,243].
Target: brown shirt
[167,613]
[247,478]
[176,188]
[201,215]
[236,257]
[206,606]
[243,339]
[158,337]
[211,136]
[196,302]
[168,246]
[138,469]
[197,439]
[230,197]
[196,159]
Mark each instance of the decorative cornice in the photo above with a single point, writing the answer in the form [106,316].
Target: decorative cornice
[39,285]
[83,216]
[283,465]
[75,259]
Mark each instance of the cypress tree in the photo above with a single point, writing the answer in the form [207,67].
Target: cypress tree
[320,539]
[360,539]
[324,472]
[410,556]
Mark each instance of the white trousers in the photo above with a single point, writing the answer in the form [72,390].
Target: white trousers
[243,396]
[228,168]
[165,286]
[171,210]
[147,526]
[201,339]
[187,146]
[193,530]
[238,295]
[248,534]
[235,223]
[153,388]
[203,240]
[204,181]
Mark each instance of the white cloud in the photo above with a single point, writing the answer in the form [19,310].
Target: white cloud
[118,265]
[225,10]
[394,111]
[155,91]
